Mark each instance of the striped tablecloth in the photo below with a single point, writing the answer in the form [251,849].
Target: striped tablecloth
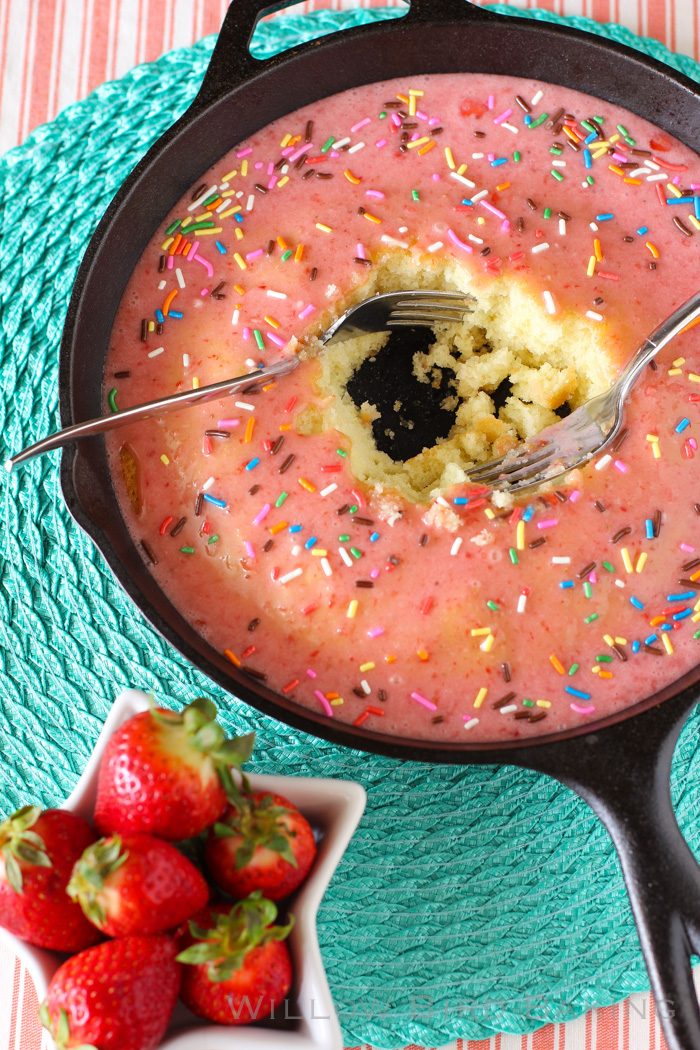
[54,52]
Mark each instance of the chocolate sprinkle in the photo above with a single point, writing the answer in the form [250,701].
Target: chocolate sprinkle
[424,539]
[531,204]
[362,521]
[690,583]
[652,649]
[287,464]
[177,529]
[680,225]
[599,506]
[300,163]
[506,671]
[584,572]
[267,546]
[312,276]
[260,189]
[218,292]
[277,445]
[253,624]
[690,565]
[696,508]
[503,701]
[537,542]
[200,189]
[537,716]
[198,504]
[381,694]
[217,433]
[144,330]
[270,247]
[149,553]
[260,675]
[364,583]
[620,533]
[364,262]
[122,375]
[161,264]
[436,719]
[359,692]
[253,490]
[309,130]
[522,714]
[619,653]
[523,104]
[343,510]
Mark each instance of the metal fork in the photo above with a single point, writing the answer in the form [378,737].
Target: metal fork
[589,429]
[379,313]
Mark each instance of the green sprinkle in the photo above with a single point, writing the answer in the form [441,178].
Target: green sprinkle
[557,150]
[590,180]
[353,509]
[341,452]
[344,538]
[604,659]
[528,703]
[557,175]
[697,634]
[355,553]
[608,566]
[210,199]
[213,539]
[287,254]
[587,589]
[415,194]
[172,227]
[516,156]
[206,224]
[258,339]
[186,550]
[546,213]
[493,606]
[382,115]
[540,120]
[589,127]
[599,120]
[630,141]
[591,618]
[327,145]
[281,498]
[113,400]
[574,668]
[623,131]
[513,556]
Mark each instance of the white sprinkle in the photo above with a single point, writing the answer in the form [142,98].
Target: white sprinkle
[276,295]
[435,247]
[158,350]
[638,171]
[296,550]
[345,556]
[473,237]
[456,545]
[657,178]
[403,229]
[328,489]
[549,303]
[619,583]
[180,278]
[593,226]
[603,462]
[562,227]
[186,360]
[365,687]
[442,502]
[477,196]
[354,149]
[245,405]
[561,561]
[251,202]
[652,165]
[471,723]
[540,247]
[343,142]
[477,156]
[239,195]
[537,97]
[207,484]
[593,315]
[393,241]
[161,285]
[326,566]
[250,362]
[203,197]
[236,315]
[558,163]
[461,178]
[291,575]
[508,708]
[522,602]
[509,127]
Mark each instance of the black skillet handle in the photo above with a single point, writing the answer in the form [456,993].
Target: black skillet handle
[623,773]
[231,62]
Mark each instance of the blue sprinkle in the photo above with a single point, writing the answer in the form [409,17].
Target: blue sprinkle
[214,500]
[295,528]
[497,163]
[636,647]
[176,314]
[679,200]
[238,217]
[566,584]
[467,201]
[591,138]
[587,158]
[529,511]
[636,603]
[527,119]
[642,230]
[651,639]
[253,463]
[374,537]
[577,692]
[311,542]
[684,597]
[682,425]
[649,528]
[220,246]
[460,501]
[605,217]
[159,316]
[666,627]
[682,614]
[696,206]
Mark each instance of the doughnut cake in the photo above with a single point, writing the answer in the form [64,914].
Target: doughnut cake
[322,532]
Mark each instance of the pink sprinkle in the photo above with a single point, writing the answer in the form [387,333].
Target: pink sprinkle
[204,292]
[436,177]
[275,339]
[245,152]
[695,185]
[256,254]
[422,700]
[693,443]
[415,136]
[262,514]
[270,168]
[396,120]
[550,523]
[258,165]
[246,333]
[460,244]
[308,609]
[382,142]
[360,124]
[287,150]
[374,573]
[193,250]
[300,152]
[228,423]
[433,122]
[491,102]
[592,577]
[306,311]
[676,179]
[490,207]
[376,193]
[361,251]
[310,673]
[582,710]
[375,632]
[171,262]
[619,156]
[323,702]
[249,549]
[622,467]
[687,548]
[206,264]
[334,153]
[421,115]
[272,183]
[503,116]
[505,225]
[574,496]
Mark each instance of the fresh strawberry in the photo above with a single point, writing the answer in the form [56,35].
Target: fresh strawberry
[238,968]
[261,843]
[136,884]
[37,852]
[117,996]
[168,773]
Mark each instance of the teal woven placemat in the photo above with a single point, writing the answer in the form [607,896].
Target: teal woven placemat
[471,900]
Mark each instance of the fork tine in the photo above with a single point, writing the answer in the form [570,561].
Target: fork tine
[498,471]
[419,317]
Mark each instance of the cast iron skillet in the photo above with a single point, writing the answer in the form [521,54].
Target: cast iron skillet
[621,766]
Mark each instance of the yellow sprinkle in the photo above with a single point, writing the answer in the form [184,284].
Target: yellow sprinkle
[306,485]
[352,609]
[543,703]
[673,189]
[520,536]
[653,249]
[596,669]
[653,438]
[694,221]
[476,631]
[695,618]
[337,702]
[641,561]
[195,383]
[598,250]
[600,152]
[322,226]
[203,233]
[239,233]
[557,664]
[591,266]
[422,654]
[449,158]
[696,607]
[240,260]
[283,181]
[298,253]
[244,168]
[231,175]
[693,377]
[164,460]
[367,667]
[318,552]
[613,138]
[282,243]
[627,561]
[151,326]
[390,658]
[489,513]
[418,142]
[285,141]
[487,646]
[656,450]
[620,641]
[229,193]
[667,643]
[462,168]
[608,639]
[351,178]
[416,92]
[480,696]
[426,149]
[229,211]
[675,371]
[232,657]
[271,320]
[249,430]
[277,528]
[371,218]
[481,221]
[166,244]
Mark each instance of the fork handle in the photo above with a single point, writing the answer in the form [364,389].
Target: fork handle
[667,330]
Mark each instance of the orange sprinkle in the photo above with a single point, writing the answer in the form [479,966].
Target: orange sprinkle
[422,654]
[691,325]
[503,186]
[631,182]
[655,252]
[234,659]
[390,659]
[598,250]
[174,246]
[298,253]
[282,243]
[351,178]
[656,620]
[426,149]
[306,485]
[168,301]
[271,320]
[290,685]
[277,528]
[371,218]
[618,171]
[605,674]
[249,430]
[557,664]
[332,696]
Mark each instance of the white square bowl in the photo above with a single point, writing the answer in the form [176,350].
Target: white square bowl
[308,1021]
